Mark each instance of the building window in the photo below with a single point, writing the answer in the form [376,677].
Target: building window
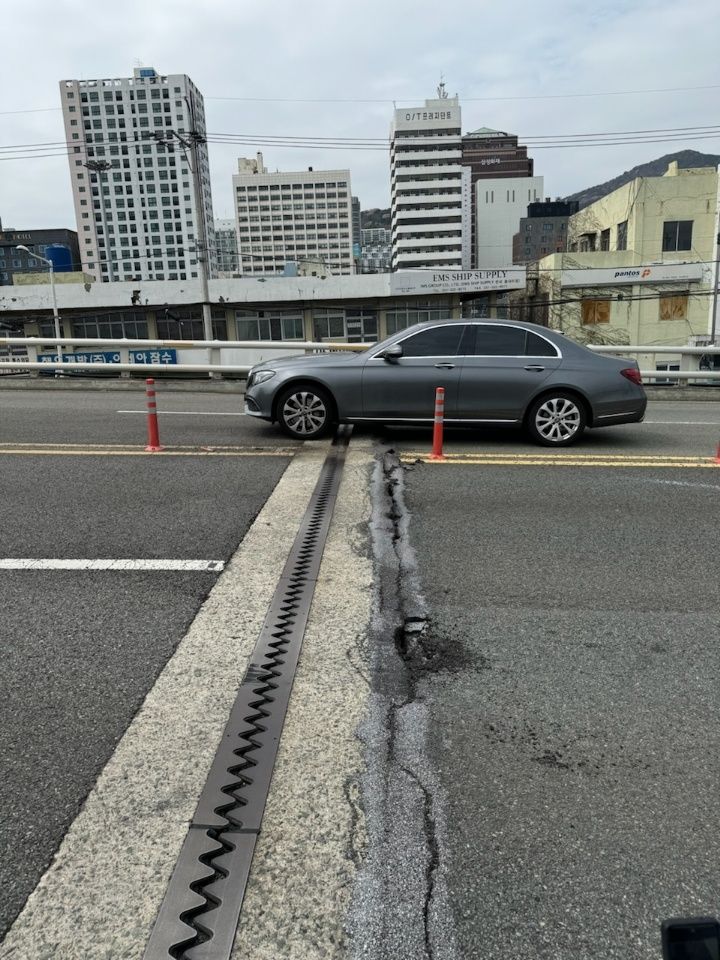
[605,239]
[622,235]
[269,325]
[677,235]
[673,306]
[595,311]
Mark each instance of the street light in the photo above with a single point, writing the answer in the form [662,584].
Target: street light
[56,317]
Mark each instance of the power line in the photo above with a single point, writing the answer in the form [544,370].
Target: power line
[396,100]
[538,141]
[544,96]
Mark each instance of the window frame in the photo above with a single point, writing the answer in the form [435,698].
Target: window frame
[558,355]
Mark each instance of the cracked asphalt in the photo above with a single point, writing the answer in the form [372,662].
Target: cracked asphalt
[573,719]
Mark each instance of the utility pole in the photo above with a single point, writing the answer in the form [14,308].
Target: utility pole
[100,167]
[191,142]
[715,265]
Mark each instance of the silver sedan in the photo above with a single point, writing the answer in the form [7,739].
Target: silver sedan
[494,372]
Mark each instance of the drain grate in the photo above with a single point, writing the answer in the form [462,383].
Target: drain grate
[199,914]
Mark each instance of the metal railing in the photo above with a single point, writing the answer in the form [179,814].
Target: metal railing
[684,353]
[215,348]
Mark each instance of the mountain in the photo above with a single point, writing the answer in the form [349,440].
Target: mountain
[654,168]
[374,218]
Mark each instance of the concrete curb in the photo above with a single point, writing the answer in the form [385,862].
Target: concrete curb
[136,385]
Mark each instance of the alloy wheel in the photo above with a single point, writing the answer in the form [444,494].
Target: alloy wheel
[304,413]
[558,419]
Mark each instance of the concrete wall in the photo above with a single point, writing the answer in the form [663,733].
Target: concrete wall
[499,204]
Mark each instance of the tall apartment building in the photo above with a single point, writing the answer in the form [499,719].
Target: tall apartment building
[133,182]
[492,155]
[226,252]
[297,216]
[430,187]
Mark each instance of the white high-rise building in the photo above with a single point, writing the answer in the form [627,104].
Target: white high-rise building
[292,217]
[132,180]
[430,188]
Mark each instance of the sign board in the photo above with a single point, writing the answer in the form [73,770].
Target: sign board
[113,356]
[612,276]
[456,281]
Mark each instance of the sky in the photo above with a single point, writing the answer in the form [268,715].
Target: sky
[281,68]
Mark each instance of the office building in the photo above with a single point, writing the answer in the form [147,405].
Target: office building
[430,187]
[499,205]
[292,217]
[133,181]
[226,251]
[492,155]
[376,249]
[60,246]
[543,230]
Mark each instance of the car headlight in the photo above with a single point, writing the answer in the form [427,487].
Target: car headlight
[260,376]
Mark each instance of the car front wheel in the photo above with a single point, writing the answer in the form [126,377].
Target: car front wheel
[305,412]
[556,420]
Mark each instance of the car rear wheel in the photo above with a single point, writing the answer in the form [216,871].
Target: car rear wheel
[305,412]
[556,420]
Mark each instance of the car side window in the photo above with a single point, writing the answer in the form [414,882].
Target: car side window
[435,342]
[497,340]
[538,346]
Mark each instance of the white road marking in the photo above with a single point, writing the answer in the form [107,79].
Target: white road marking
[686,483]
[685,423]
[51,563]
[190,413]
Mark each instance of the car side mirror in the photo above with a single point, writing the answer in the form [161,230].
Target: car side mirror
[393,353]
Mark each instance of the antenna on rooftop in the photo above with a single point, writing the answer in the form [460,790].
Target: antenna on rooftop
[441,91]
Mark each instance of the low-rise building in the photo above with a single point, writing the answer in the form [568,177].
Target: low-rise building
[639,268]
[270,308]
[60,246]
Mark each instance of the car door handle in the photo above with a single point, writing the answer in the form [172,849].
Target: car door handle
[536,367]
[445,366]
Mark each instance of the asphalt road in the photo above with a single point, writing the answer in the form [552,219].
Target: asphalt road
[82,648]
[572,718]
[574,721]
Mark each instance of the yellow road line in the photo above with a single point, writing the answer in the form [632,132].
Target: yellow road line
[557,456]
[97,451]
[690,462]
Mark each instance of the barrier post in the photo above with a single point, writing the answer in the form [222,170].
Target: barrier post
[437,447]
[153,444]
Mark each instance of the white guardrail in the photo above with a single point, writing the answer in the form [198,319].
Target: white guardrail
[32,347]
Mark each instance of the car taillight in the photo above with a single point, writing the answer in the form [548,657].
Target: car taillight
[632,373]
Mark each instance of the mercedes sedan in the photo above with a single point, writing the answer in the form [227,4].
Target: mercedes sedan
[494,372]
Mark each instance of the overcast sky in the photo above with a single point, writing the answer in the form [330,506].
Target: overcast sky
[376,50]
